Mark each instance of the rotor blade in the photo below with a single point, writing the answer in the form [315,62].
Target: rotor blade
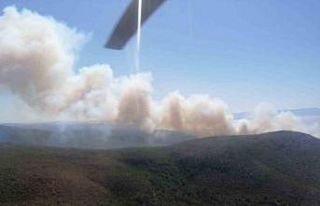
[127,26]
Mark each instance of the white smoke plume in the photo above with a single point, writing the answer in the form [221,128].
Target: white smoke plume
[197,114]
[37,56]
[266,118]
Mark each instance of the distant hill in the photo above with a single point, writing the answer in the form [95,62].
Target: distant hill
[94,135]
[303,112]
[278,168]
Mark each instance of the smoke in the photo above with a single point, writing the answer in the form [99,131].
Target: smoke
[37,53]
[197,114]
[135,100]
[266,118]
[37,56]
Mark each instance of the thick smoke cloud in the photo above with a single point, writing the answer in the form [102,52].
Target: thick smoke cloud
[36,53]
[197,114]
[37,56]
[266,118]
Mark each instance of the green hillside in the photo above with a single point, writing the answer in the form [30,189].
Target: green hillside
[280,168]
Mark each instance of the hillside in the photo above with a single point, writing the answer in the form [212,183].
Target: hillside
[279,168]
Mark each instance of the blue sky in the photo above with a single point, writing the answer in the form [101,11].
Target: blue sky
[242,51]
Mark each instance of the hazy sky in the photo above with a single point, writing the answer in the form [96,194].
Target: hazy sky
[242,51]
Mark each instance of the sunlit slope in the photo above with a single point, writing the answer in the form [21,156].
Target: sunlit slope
[280,168]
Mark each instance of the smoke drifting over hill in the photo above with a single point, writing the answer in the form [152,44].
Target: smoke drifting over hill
[37,56]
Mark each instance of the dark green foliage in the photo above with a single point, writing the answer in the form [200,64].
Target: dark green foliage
[281,168]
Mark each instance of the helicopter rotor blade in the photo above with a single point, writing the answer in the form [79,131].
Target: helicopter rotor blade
[127,25]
